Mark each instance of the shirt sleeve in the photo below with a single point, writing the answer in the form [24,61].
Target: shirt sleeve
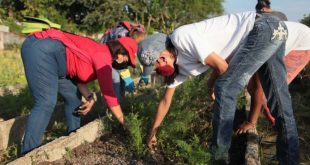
[179,79]
[104,76]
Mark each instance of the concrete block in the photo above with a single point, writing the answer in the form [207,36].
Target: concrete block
[4,28]
[252,144]
[252,148]
[58,148]
[12,131]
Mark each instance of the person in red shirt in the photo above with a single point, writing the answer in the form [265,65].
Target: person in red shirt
[54,62]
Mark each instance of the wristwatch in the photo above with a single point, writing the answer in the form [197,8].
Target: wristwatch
[91,96]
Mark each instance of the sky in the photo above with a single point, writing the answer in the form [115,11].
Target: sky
[294,9]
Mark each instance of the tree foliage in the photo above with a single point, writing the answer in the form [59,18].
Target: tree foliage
[93,16]
[165,15]
[306,20]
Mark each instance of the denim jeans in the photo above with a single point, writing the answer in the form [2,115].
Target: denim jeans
[45,68]
[263,51]
[118,85]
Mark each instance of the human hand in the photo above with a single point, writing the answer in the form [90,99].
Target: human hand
[144,78]
[268,115]
[245,127]
[211,93]
[129,84]
[86,107]
[126,129]
[152,143]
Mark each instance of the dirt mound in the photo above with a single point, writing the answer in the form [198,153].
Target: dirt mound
[109,149]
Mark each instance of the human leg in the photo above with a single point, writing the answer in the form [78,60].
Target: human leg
[259,47]
[279,102]
[72,99]
[41,71]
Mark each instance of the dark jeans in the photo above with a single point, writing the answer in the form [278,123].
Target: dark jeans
[45,68]
[263,51]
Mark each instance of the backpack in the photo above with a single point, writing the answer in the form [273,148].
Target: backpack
[123,29]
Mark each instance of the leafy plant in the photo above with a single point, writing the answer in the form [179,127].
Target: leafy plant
[193,151]
[9,154]
[134,124]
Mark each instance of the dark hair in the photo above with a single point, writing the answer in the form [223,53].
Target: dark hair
[171,49]
[262,4]
[116,48]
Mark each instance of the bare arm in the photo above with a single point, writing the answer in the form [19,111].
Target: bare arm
[83,89]
[257,98]
[117,112]
[217,63]
[162,110]
[90,99]
[257,101]
[219,66]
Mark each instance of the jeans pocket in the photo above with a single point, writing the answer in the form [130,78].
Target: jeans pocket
[278,30]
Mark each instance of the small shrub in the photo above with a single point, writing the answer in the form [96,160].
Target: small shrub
[193,151]
[135,135]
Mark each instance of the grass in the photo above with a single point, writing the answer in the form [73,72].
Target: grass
[11,68]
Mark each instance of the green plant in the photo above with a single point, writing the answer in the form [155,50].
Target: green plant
[9,154]
[193,151]
[133,124]
[69,153]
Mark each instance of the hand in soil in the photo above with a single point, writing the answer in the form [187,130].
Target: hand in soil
[152,144]
[245,127]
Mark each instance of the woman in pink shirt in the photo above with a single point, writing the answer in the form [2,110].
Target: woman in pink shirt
[54,62]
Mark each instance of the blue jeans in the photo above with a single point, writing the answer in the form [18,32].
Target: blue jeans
[263,51]
[118,85]
[45,68]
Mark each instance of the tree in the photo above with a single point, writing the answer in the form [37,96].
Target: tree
[306,20]
[17,9]
[94,16]
[165,15]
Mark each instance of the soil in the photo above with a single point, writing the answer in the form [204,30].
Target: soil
[109,149]
[112,149]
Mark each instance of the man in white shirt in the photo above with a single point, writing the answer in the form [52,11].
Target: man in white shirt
[254,40]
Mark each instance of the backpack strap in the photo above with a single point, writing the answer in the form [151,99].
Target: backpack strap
[32,24]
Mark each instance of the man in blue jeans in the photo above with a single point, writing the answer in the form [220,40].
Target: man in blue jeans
[256,42]
[263,51]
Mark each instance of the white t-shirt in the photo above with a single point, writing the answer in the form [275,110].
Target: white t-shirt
[222,35]
[298,37]
[194,42]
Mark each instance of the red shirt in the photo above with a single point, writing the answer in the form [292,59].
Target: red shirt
[87,60]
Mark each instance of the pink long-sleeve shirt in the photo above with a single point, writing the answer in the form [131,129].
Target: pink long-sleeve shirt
[87,60]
